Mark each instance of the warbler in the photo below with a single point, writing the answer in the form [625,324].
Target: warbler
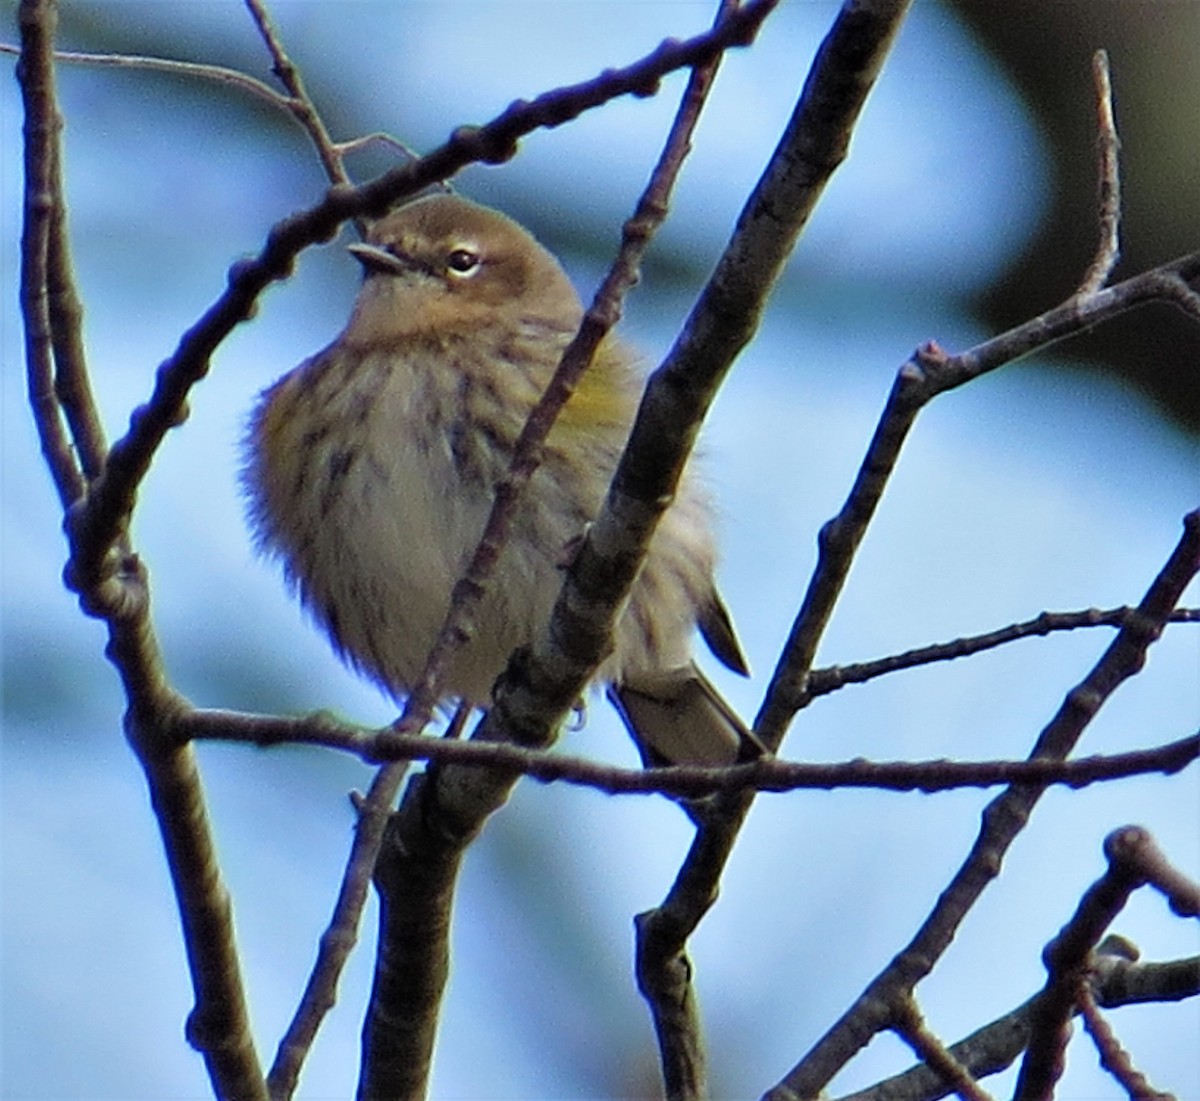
[370,472]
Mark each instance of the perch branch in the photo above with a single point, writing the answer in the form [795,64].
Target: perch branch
[770,774]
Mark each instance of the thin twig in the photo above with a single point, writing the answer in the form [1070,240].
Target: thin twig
[43,200]
[823,681]
[355,145]
[219,74]
[340,937]
[910,1026]
[1108,186]
[296,105]
[1113,1057]
[298,101]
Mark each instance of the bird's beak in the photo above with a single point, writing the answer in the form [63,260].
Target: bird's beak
[376,259]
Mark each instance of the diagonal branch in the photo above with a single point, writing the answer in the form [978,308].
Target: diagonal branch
[298,102]
[820,682]
[910,1026]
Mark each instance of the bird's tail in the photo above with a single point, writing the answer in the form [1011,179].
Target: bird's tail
[679,718]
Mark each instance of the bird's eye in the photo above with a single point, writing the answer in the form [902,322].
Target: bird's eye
[462,261]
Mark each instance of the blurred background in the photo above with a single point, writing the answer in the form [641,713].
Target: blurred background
[967,205]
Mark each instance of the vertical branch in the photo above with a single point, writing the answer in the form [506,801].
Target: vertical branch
[72,384]
[43,222]
[320,992]
[1108,183]
[59,391]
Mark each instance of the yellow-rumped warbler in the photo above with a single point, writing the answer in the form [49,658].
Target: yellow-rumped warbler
[371,470]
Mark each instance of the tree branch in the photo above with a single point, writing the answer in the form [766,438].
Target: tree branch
[42,222]
[1108,188]
[218,1025]
[910,1026]
[1114,1058]
[297,102]
[770,774]
[821,682]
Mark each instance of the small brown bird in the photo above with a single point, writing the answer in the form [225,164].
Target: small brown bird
[371,468]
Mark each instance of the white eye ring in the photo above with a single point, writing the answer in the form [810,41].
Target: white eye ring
[462,262]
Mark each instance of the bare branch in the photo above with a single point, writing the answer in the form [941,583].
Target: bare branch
[930,372]
[72,384]
[298,102]
[43,221]
[1108,189]
[1113,1058]
[685,781]
[218,1025]
[823,681]
[218,74]
[910,1026]
[340,937]
[1175,288]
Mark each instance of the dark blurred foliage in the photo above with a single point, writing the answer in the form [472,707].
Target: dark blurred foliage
[1154,54]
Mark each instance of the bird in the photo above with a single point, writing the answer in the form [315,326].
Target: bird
[370,469]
